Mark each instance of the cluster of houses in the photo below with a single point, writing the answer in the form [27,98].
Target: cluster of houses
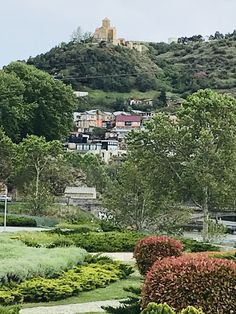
[103,133]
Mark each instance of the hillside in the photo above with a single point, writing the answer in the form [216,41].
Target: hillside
[197,65]
[109,68]
[176,68]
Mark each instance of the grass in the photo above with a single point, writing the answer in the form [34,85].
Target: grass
[113,95]
[19,262]
[112,292]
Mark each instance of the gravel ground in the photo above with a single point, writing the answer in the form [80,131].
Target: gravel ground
[72,308]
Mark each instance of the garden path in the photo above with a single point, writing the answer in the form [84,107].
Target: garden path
[72,308]
[123,256]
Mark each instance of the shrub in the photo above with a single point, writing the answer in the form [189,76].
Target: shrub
[225,255]
[128,306]
[8,297]
[191,310]
[98,241]
[61,242]
[107,241]
[91,242]
[82,278]
[19,262]
[10,309]
[197,246]
[68,228]
[203,282]
[19,221]
[107,226]
[149,249]
[154,308]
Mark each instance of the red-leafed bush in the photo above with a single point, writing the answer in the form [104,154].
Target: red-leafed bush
[209,283]
[153,248]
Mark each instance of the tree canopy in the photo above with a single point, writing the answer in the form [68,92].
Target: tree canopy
[191,158]
[33,102]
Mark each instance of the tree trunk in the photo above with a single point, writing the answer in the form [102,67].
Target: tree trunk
[205,232]
[36,189]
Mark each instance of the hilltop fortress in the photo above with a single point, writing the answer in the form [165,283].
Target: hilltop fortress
[108,34]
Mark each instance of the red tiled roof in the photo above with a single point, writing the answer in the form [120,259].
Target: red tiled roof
[129,118]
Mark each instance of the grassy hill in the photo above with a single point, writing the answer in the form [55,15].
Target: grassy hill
[178,69]
[198,65]
[109,68]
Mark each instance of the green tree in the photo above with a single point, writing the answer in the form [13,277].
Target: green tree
[79,36]
[128,198]
[132,202]
[6,157]
[207,124]
[160,100]
[15,114]
[192,157]
[33,102]
[35,160]
[89,169]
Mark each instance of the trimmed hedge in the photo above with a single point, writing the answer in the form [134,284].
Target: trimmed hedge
[154,308]
[209,283]
[18,221]
[107,241]
[10,309]
[82,278]
[153,248]
[198,246]
[99,241]
[224,255]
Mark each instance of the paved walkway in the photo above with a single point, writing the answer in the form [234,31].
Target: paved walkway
[123,256]
[17,229]
[72,308]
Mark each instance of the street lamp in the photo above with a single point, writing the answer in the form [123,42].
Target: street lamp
[5,211]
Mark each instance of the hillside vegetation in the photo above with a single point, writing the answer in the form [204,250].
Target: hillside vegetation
[180,69]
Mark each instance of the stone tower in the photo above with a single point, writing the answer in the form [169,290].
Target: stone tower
[106,32]
[106,23]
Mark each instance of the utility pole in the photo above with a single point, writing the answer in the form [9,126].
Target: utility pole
[5,210]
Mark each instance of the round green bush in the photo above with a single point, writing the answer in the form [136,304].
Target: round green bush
[191,310]
[207,283]
[154,308]
[153,248]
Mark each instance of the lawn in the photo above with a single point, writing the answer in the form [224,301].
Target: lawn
[113,95]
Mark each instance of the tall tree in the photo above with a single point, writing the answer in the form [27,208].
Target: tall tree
[15,114]
[33,102]
[132,202]
[6,157]
[89,170]
[207,124]
[192,157]
[37,164]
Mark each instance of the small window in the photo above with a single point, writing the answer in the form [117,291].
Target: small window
[128,123]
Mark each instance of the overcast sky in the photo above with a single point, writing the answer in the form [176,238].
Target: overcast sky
[30,27]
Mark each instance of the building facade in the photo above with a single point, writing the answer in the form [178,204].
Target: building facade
[106,32]
[88,120]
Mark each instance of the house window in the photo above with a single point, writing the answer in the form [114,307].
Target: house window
[128,123]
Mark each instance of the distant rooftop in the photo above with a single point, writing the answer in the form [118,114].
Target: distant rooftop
[128,118]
